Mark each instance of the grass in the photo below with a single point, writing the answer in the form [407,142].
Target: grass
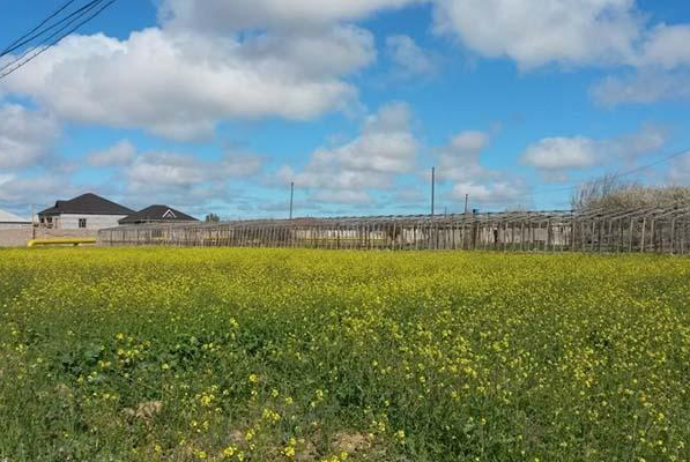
[280,355]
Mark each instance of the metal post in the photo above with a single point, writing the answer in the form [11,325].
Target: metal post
[292,197]
[433,191]
[33,224]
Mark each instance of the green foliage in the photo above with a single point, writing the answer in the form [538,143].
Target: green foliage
[280,355]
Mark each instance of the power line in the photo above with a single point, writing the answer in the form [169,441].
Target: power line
[641,168]
[47,43]
[658,162]
[70,19]
[16,43]
[625,173]
[79,14]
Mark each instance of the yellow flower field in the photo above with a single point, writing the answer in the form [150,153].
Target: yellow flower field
[288,355]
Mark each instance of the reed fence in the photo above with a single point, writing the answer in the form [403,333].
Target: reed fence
[662,230]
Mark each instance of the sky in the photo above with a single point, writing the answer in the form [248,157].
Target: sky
[217,106]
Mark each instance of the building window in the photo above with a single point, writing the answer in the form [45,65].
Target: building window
[82,223]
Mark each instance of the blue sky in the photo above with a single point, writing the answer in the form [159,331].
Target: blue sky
[217,105]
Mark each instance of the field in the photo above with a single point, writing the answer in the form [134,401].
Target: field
[280,355]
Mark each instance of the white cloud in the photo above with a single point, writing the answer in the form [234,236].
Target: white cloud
[460,160]
[20,193]
[346,197]
[179,85]
[554,156]
[118,155]
[410,59]
[26,137]
[643,87]
[534,33]
[185,180]
[649,139]
[562,153]
[662,71]
[156,170]
[236,15]
[679,172]
[497,193]
[573,33]
[385,148]
[6,178]
[667,47]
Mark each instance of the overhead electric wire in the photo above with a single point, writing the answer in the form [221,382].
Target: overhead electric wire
[10,48]
[658,162]
[8,69]
[641,168]
[47,41]
[72,17]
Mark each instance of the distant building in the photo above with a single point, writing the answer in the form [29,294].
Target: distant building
[88,212]
[157,214]
[11,221]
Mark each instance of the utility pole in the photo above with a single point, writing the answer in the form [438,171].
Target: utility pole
[292,197]
[467,203]
[33,224]
[433,191]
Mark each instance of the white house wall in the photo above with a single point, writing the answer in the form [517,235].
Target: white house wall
[93,222]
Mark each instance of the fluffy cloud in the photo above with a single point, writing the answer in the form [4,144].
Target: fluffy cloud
[185,180]
[460,160]
[643,87]
[118,155]
[562,153]
[179,85]
[537,32]
[26,137]
[498,193]
[647,140]
[235,15]
[667,47]
[20,193]
[342,197]
[385,148]
[679,173]
[559,154]
[164,170]
[410,59]
[662,71]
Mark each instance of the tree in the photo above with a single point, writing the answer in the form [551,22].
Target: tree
[212,218]
[611,192]
[599,190]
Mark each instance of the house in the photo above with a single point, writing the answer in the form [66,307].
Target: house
[88,212]
[158,214]
[11,221]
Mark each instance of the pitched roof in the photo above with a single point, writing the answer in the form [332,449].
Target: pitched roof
[157,214]
[87,204]
[7,217]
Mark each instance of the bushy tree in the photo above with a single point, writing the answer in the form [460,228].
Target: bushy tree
[212,218]
[613,192]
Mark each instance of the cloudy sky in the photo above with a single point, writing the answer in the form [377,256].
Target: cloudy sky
[218,105]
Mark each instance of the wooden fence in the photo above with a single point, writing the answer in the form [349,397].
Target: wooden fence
[664,230]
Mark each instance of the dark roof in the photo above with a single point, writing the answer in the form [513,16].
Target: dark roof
[87,204]
[157,214]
